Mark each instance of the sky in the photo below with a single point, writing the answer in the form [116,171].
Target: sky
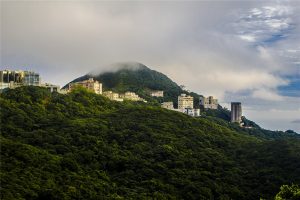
[246,51]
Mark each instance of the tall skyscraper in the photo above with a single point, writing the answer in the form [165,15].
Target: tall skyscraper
[236,112]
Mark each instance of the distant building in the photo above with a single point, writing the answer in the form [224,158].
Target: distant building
[16,78]
[185,101]
[131,96]
[32,78]
[236,112]
[7,76]
[112,96]
[89,84]
[51,87]
[209,102]
[63,91]
[192,112]
[168,105]
[158,93]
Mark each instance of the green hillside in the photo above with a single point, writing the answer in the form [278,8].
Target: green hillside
[138,78]
[84,146]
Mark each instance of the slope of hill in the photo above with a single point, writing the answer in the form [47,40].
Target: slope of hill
[138,78]
[83,146]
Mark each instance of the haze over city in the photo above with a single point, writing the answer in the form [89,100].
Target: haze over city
[235,51]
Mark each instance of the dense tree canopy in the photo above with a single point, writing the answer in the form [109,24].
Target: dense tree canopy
[84,146]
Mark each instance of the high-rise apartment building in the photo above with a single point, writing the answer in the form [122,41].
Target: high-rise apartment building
[185,101]
[236,112]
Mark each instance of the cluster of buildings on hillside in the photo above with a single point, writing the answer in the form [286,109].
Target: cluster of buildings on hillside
[186,105]
[12,79]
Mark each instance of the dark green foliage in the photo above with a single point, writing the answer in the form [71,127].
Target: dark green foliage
[83,146]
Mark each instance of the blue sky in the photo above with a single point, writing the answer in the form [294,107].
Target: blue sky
[246,51]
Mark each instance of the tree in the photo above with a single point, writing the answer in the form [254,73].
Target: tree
[288,192]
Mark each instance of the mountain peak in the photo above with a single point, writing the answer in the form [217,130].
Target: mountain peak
[131,66]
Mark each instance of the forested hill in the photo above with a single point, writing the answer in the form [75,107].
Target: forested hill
[138,78]
[84,146]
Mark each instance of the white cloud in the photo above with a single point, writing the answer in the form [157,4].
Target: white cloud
[266,95]
[276,119]
[249,38]
[264,23]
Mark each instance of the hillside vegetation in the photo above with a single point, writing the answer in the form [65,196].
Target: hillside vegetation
[140,79]
[137,78]
[84,146]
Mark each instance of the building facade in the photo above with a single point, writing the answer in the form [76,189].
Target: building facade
[192,112]
[89,84]
[20,77]
[185,101]
[168,105]
[112,95]
[32,78]
[131,96]
[51,87]
[236,112]
[7,76]
[158,93]
[209,102]
[16,78]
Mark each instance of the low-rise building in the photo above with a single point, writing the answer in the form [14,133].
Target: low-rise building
[131,96]
[112,95]
[185,101]
[89,84]
[192,112]
[158,93]
[51,87]
[63,91]
[168,105]
[209,102]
